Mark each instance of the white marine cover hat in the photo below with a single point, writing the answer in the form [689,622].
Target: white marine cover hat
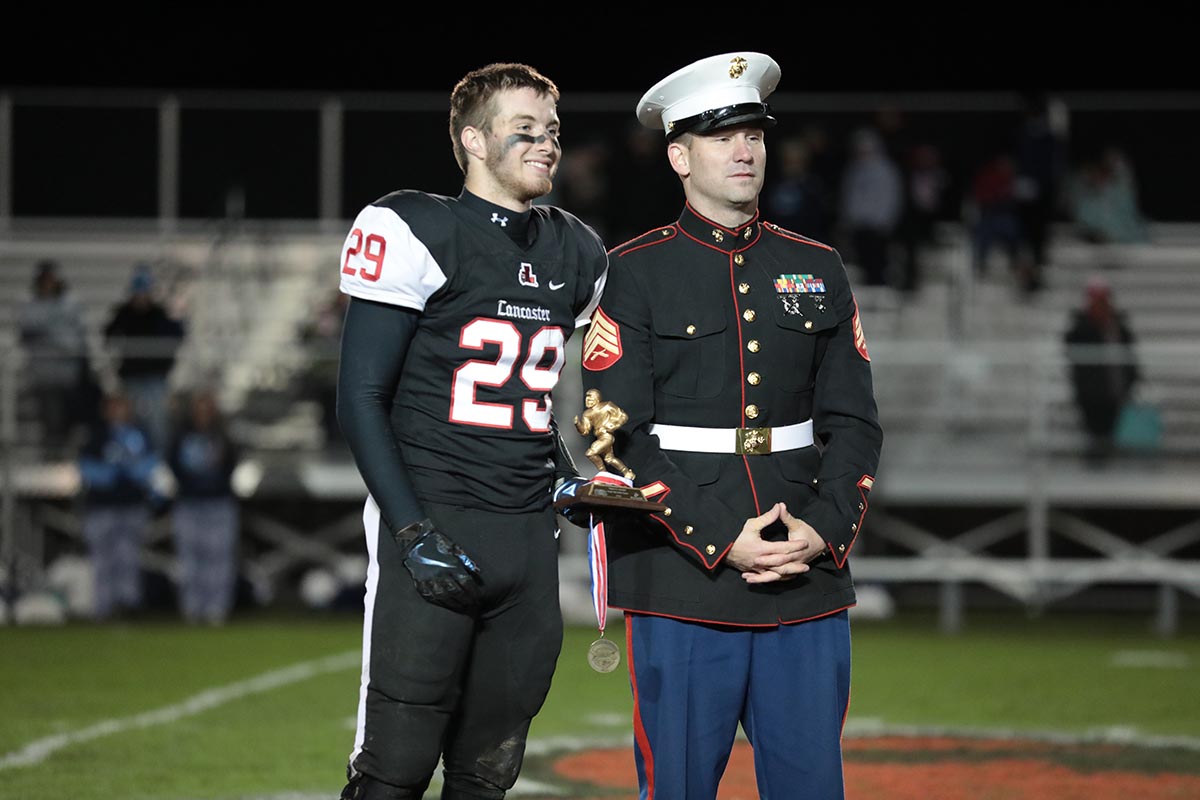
[712,93]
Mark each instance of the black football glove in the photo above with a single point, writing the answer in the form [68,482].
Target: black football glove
[578,515]
[443,574]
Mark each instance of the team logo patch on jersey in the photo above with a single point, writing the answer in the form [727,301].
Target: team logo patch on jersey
[799,284]
[860,338]
[602,345]
[526,275]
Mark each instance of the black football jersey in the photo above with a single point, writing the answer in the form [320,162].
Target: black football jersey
[472,411]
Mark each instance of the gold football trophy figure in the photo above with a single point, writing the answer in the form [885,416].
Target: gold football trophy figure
[600,418]
[614,488]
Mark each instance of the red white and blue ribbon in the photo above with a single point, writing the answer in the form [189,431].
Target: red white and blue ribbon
[598,564]
[598,555]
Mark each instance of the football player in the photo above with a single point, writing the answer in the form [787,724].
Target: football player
[454,337]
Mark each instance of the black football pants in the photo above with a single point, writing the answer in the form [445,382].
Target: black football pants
[464,688]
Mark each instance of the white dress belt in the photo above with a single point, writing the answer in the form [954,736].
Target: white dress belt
[739,441]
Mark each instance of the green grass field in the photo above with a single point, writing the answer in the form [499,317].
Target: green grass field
[263,707]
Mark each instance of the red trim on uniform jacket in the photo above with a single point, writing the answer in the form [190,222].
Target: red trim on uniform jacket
[639,730]
[718,622]
[682,543]
[653,490]
[741,349]
[726,229]
[737,308]
[845,713]
[661,495]
[793,236]
[865,484]
[818,616]
[703,243]
[671,229]
[750,477]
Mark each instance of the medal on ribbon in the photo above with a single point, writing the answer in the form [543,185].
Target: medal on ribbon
[603,654]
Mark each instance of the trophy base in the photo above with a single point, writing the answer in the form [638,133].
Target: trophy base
[603,494]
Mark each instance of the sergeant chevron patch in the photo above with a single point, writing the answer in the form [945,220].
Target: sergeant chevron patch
[602,345]
[860,338]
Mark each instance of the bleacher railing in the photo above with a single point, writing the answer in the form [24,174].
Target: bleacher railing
[966,426]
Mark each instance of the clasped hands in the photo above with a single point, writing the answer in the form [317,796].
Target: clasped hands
[762,561]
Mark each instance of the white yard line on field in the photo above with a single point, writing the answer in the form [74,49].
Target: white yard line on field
[37,751]
[1150,659]
[866,727]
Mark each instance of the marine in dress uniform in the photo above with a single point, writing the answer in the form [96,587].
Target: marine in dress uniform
[738,353]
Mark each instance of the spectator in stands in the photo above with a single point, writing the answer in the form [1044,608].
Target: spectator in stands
[582,185]
[145,339]
[827,162]
[322,337]
[1039,164]
[1104,369]
[1104,200]
[53,334]
[991,213]
[122,485]
[926,186]
[641,186]
[205,514]
[872,199]
[796,197]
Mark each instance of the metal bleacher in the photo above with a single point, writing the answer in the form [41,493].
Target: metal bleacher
[983,481]
[243,292]
[981,487]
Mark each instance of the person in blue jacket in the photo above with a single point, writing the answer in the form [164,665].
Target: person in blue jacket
[122,486]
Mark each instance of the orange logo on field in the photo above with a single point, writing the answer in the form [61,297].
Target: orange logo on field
[904,768]
[860,338]
[602,345]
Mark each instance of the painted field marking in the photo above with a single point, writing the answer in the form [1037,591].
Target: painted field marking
[865,727]
[607,719]
[1150,659]
[38,751]
[1115,734]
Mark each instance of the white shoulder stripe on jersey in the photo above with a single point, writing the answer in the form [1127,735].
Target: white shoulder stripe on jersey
[585,316]
[383,260]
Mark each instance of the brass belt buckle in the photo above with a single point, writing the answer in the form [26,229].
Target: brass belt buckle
[753,441]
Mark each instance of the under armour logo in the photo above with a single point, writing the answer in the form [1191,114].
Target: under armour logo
[499,220]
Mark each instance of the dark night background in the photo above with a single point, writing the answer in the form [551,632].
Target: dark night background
[249,80]
[602,47]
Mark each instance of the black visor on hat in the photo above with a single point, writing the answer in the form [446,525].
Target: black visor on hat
[725,117]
